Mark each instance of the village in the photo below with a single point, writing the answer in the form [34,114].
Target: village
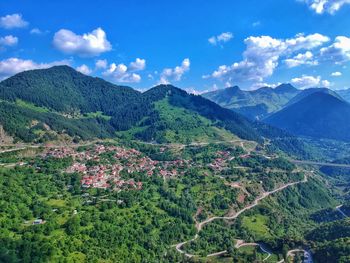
[109,172]
[106,167]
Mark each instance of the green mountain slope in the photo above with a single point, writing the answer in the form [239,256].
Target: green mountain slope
[66,101]
[175,116]
[319,115]
[254,104]
[305,93]
[65,90]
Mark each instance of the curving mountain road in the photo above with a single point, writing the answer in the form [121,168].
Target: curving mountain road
[320,163]
[200,225]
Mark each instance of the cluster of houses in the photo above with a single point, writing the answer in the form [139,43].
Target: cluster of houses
[220,162]
[109,174]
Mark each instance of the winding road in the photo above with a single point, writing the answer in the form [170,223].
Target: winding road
[320,163]
[199,226]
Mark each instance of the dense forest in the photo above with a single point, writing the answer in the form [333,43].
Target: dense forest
[84,107]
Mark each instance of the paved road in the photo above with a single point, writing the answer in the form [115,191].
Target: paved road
[321,163]
[200,225]
[242,244]
[19,148]
[26,146]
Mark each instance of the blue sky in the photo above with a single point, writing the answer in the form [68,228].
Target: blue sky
[194,45]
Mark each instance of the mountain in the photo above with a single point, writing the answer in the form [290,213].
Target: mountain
[65,90]
[255,104]
[46,103]
[173,115]
[303,94]
[60,100]
[62,104]
[319,115]
[345,94]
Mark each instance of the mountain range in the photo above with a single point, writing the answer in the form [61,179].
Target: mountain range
[256,104]
[60,103]
[313,112]
[36,103]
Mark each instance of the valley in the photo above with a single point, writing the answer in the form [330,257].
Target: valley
[175,131]
[161,176]
[125,173]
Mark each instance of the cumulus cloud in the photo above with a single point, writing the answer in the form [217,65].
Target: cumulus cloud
[11,66]
[101,64]
[262,56]
[305,82]
[84,69]
[338,52]
[8,41]
[138,65]
[306,42]
[325,6]
[219,39]
[12,21]
[301,59]
[194,91]
[175,74]
[123,73]
[336,74]
[86,45]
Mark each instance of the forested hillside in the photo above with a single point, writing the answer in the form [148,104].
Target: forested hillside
[319,115]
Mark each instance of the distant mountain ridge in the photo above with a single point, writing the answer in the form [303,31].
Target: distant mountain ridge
[256,104]
[320,115]
[304,93]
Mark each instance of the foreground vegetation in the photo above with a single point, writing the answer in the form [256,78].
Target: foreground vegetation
[97,225]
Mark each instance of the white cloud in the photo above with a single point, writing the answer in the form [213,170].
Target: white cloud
[262,56]
[37,31]
[301,59]
[139,64]
[121,73]
[338,52]
[336,74]
[86,45]
[194,91]
[325,6]
[101,64]
[84,69]
[222,38]
[306,42]
[11,66]
[12,21]
[176,73]
[8,41]
[305,82]
[259,85]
